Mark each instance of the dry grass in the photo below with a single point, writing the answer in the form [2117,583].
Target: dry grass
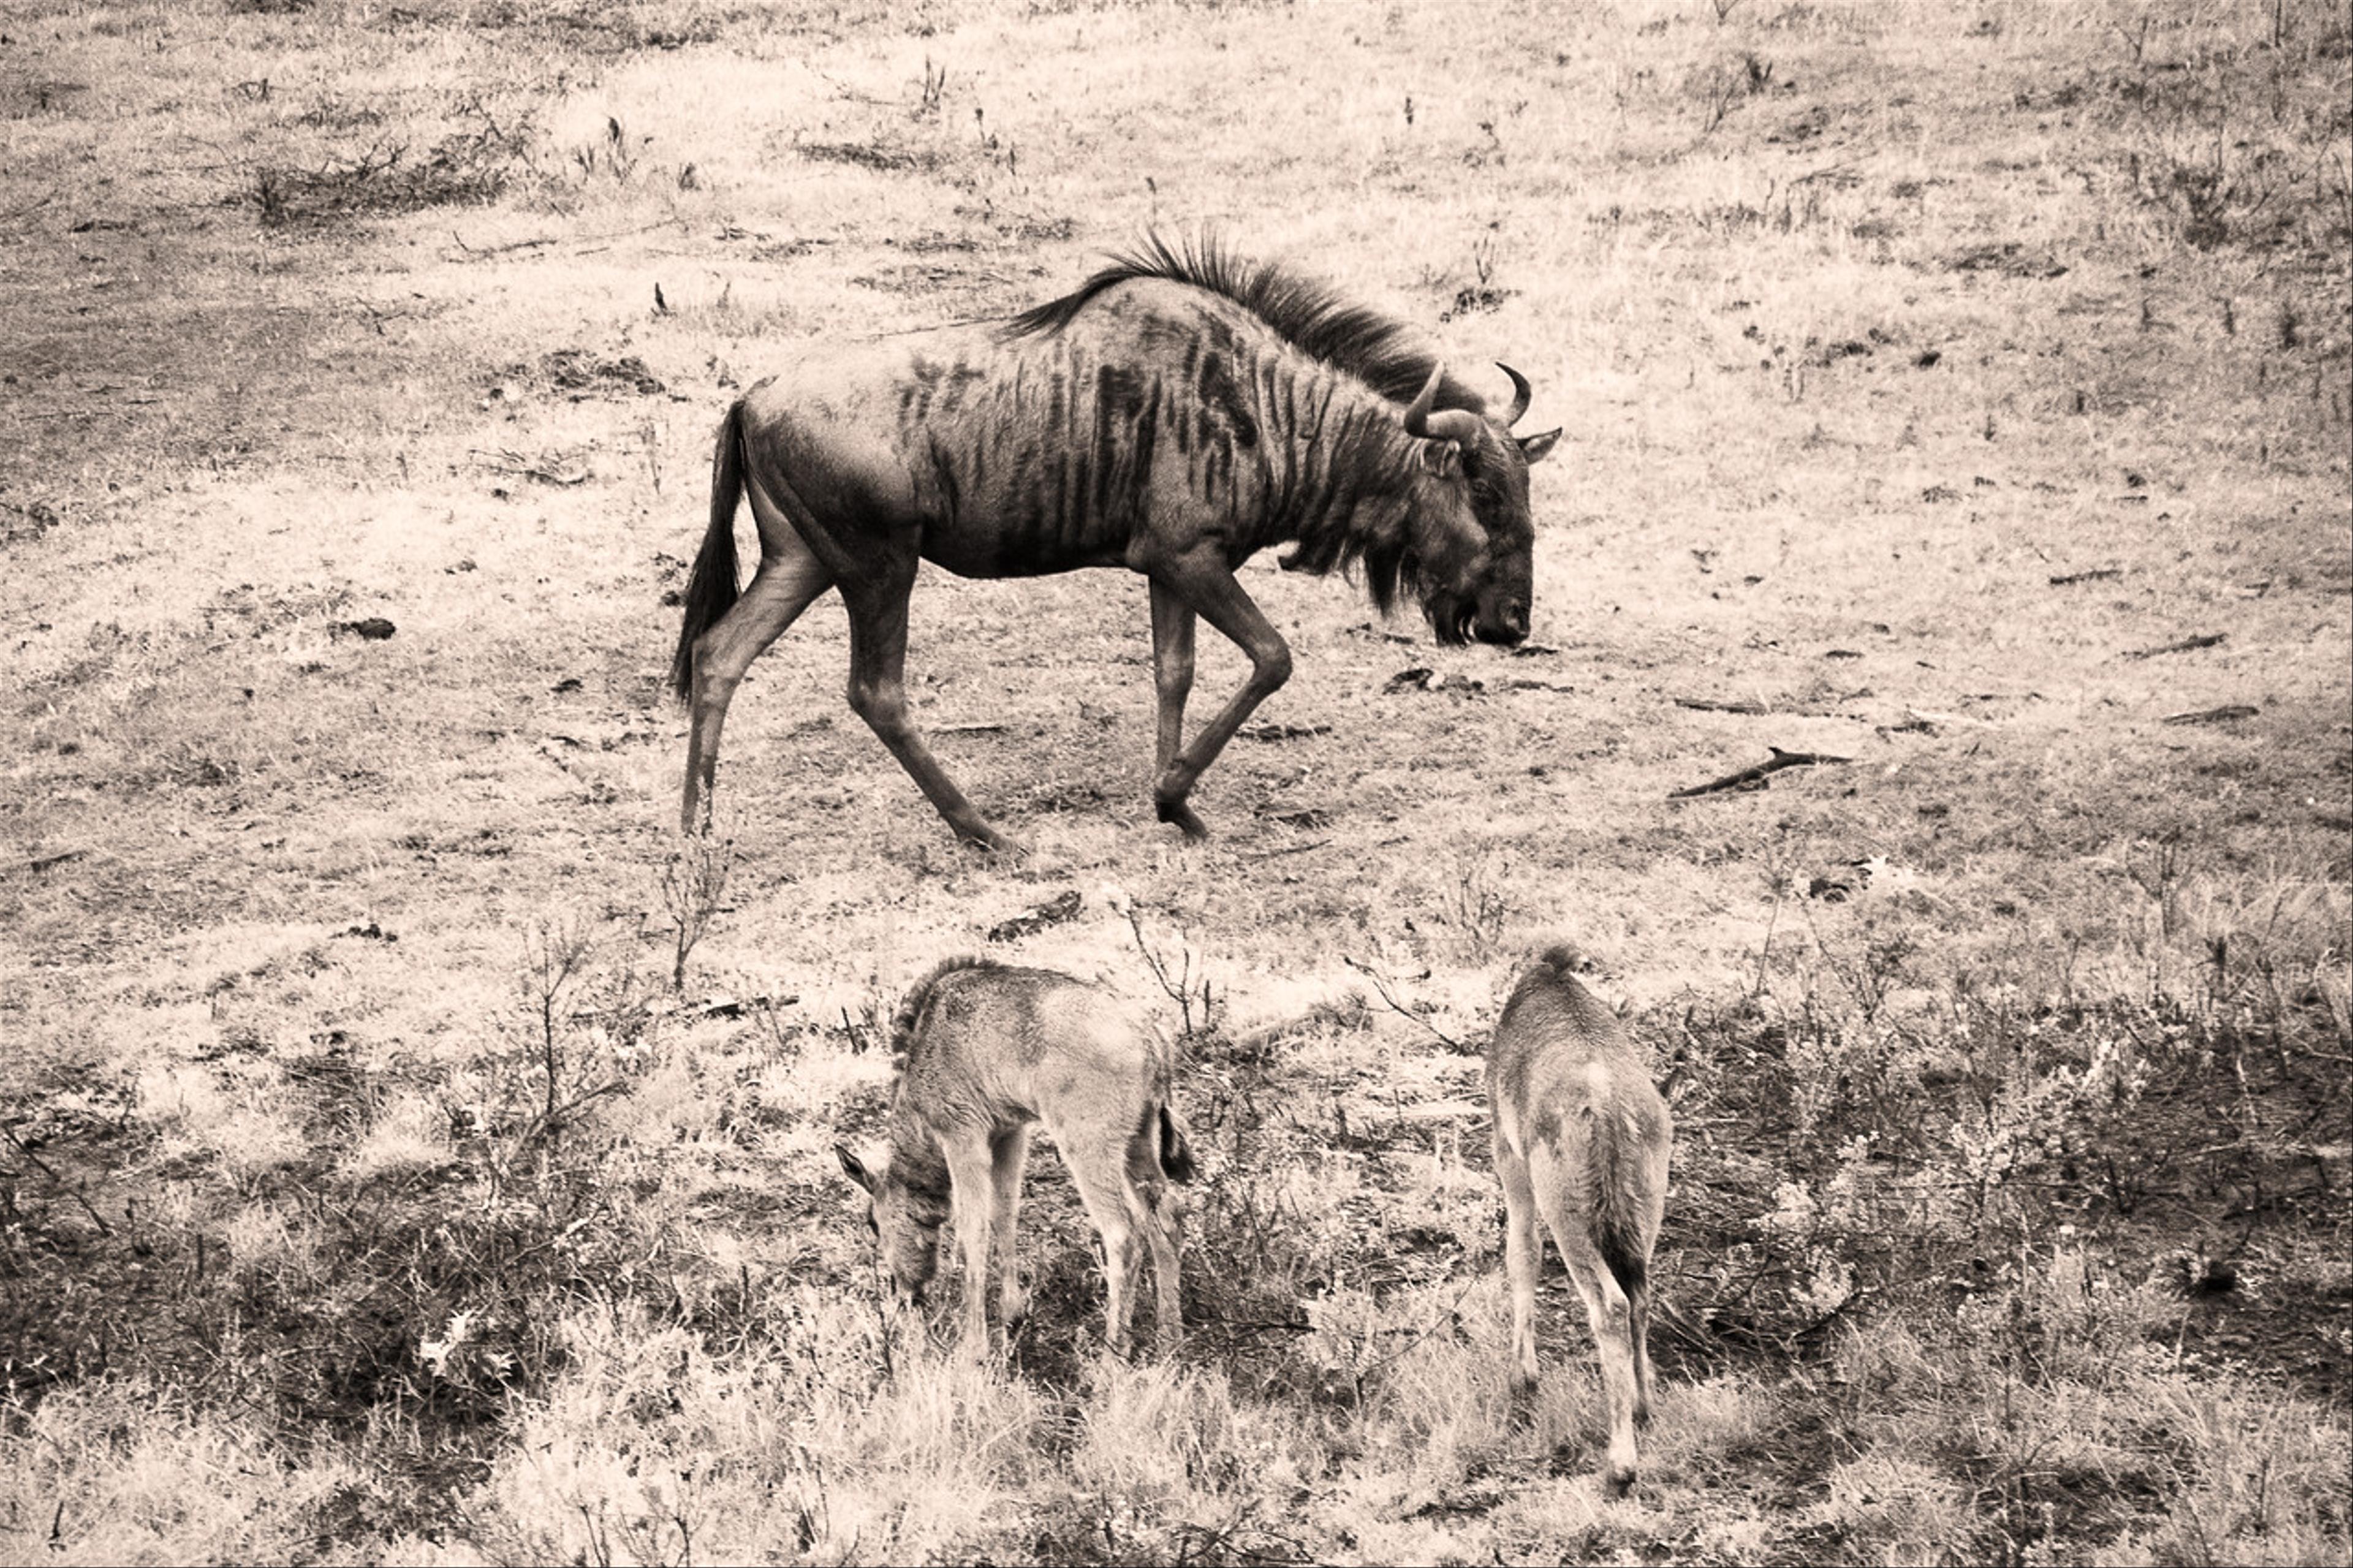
[413,1153]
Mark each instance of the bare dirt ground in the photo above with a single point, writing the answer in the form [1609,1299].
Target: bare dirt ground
[413,1149]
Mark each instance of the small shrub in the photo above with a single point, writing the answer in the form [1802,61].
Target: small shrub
[387,177]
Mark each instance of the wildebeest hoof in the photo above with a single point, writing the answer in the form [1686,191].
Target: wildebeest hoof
[1619,1482]
[989,841]
[1181,815]
[1520,1405]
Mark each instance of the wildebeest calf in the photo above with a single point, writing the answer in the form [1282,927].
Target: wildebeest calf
[989,1051]
[1582,1139]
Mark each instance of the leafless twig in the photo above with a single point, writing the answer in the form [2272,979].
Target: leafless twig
[1754,778]
[1400,1009]
[50,1171]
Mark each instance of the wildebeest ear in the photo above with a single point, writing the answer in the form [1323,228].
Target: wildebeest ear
[851,1167]
[1442,457]
[1536,448]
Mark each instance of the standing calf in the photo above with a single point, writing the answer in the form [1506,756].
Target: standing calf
[989,1051]
[1582,1139]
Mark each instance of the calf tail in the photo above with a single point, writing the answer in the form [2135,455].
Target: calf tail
[1176,1152]
[1616,1172]
[710,592]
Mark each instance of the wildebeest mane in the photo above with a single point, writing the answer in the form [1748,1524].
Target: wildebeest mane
[1378,542]
[1384,354]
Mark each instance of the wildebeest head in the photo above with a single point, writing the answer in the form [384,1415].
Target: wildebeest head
[904,1222]
[1483,590]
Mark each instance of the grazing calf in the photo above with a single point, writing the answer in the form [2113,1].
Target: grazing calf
[1581,1139]
[989,1051]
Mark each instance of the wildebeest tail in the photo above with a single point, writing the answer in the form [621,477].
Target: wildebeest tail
[711,591]
[1176,1151]
[909,1018]
[1615,1173]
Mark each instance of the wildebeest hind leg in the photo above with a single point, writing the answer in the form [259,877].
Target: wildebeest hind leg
[878,665]
[1202,583]
[789,582]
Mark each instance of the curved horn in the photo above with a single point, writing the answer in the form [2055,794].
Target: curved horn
[1520,394]
[1417,414]
[1446,424]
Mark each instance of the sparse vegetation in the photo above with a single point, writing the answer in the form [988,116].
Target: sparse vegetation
[410,1153]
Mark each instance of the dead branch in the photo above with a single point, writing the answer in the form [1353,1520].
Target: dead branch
[79,1196]
[2187,645]
[1933,720]
[29,209]
[490,250]
[1402,1011]
[1754,778]
[43,862]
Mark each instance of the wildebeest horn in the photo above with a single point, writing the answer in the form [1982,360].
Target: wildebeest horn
[1520,394]
[1446,424]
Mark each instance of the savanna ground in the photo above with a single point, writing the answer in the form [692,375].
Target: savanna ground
[1961,392]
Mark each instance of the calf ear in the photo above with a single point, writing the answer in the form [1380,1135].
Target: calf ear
[852,1168]
[1536,448]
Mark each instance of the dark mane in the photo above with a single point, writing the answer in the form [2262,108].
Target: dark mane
[909,1016]
[1377,536]
[1385,355]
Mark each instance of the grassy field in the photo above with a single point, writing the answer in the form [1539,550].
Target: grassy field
[413,1150]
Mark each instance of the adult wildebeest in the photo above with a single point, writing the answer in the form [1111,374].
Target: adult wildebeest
[1582,1141]
[989,1051]
[1180,411]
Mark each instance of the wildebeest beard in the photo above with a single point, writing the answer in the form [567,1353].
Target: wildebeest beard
[1451,615]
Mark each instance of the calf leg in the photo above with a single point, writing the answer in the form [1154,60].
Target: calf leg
[1523,1257]
[1156,1212]
[1010,1152]
[971,1193]
[1111,1202]
[1638,1307]
[1606,1310]
[1168,1308]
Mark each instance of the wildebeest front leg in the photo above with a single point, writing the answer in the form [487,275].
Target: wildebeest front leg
[1202,584]
[790,580]
[1172,671]
[878,665]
